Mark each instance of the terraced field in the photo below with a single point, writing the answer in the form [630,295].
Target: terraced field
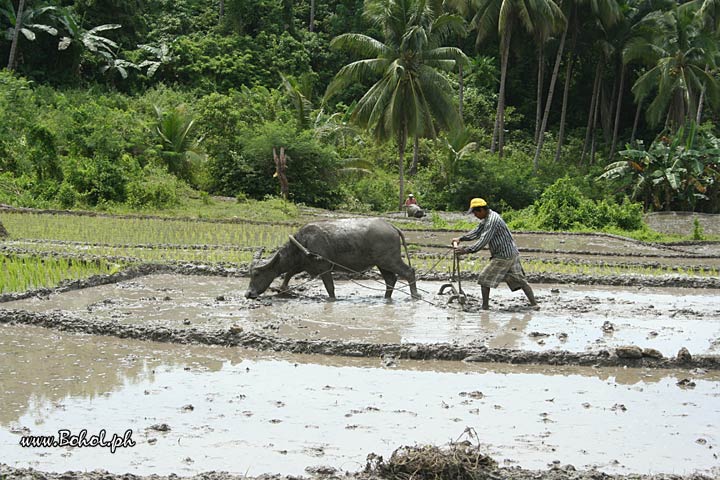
[144,328]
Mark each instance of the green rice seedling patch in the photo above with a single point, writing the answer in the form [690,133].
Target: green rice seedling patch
[151,254]
[120,230]
[19,273]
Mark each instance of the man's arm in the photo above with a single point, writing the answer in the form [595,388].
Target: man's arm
[489,228]
[472,235]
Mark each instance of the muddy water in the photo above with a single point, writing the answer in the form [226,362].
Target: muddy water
[572,318]
[228,409]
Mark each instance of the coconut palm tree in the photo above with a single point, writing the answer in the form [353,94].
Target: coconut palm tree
[180,145]
[504,17]
[677,51]
[544,30]
[709,15]
[620,35]
[605,12]
[412,96]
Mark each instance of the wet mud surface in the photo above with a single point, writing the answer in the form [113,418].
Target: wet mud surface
[576,325]
[196,408]
[616,375]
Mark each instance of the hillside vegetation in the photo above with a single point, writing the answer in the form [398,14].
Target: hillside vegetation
[563,115]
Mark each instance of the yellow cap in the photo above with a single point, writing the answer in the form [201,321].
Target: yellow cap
[475,203]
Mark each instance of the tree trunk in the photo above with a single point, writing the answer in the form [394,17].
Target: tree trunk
[402,141]
[566,92]
[617,113]
[593,146]
[280,169]
[591,112]
[540,81]
[698,118]
[503,81]
[221,11]
[635,123]
[548,102]
[16,35]
[311,27]
[461,90]
[416,156]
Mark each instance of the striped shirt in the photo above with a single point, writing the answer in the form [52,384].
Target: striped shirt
[492,231]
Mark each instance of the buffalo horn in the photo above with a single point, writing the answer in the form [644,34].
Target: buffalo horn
[257,256]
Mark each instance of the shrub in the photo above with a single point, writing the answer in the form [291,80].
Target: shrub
[378,191]
[311,167]
[66,196]
[562,206]
[154,188]
[97,180]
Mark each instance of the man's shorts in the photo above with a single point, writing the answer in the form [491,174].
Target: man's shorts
[508,270]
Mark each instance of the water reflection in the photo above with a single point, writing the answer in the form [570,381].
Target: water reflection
[229,409]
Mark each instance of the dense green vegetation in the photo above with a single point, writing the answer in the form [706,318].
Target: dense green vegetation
[562,114]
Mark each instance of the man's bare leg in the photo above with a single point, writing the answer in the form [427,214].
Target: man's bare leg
[485,297]
[530,295]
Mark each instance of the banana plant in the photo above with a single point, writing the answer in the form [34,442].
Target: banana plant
[29,23]
[673,172]
[161,55]
[90,39]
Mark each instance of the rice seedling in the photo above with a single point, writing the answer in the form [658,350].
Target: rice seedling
[20,273]
[138,230]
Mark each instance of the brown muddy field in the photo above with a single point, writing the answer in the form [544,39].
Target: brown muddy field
[615,377]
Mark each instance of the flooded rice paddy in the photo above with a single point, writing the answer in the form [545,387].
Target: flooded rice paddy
[573,318]
[197,408]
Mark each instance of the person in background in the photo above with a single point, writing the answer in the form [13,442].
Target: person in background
[412,209]
[504,255]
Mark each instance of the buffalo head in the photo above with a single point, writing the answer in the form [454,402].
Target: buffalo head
[262,274]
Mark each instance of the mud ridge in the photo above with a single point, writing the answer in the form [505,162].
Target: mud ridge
[482,471]
[238,337]
[239,270]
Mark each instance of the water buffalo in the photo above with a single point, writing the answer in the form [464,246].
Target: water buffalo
[320,248]
[414,211]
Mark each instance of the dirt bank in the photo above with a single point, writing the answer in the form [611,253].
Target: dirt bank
[431,466]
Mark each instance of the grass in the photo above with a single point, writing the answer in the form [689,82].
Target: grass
[20,273]
[272,209]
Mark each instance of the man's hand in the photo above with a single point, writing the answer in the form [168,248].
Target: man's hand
[457,249]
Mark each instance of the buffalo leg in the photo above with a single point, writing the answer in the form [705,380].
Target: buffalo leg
[405,272]
[329,285]
[286,280]
[390,279]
